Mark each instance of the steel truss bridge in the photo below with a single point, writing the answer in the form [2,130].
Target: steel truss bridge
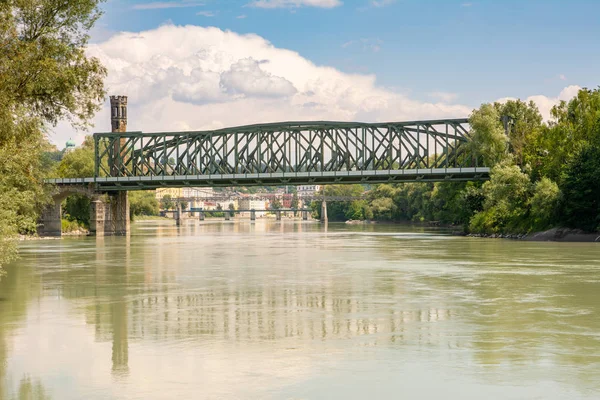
[290,153]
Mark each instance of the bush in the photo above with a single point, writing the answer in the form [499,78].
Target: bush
[69,225]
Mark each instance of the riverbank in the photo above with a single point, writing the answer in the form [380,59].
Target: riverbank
[551,235]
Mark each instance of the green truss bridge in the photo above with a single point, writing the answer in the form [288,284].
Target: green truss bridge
[288,153]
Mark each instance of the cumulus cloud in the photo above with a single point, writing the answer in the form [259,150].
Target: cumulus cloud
[546,103]
[216,78]
[295,3]
[245,77]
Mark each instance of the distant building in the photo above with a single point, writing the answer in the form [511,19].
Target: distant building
[308,190]
[70,146]
[252,204]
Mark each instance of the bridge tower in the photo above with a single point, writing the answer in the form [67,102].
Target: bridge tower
[112,217]
[118,113]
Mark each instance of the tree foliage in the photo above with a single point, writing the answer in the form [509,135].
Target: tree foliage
[581,188]
[544,173]
[78,163]
[142,203]
[45,77]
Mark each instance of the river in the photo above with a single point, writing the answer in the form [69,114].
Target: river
[294,310]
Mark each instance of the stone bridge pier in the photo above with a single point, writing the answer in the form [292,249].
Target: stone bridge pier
[109,212]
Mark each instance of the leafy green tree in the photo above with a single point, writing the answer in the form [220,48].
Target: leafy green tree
[295,202]
[78,163]
[45,77]
[524,129]
[167,203]
[342,210]
[506,201]
[143,203]
[487,135]
[544,204]
[581,189]
[275,204]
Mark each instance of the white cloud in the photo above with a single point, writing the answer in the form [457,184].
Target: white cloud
[546,103]
[562,77]
[241,16]
[246,78]
[295,3]
[443,96]
[216,78]
[159,5]
[466,4]
[206,13]
[381,3]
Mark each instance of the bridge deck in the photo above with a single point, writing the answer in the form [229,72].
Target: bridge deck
[281,178]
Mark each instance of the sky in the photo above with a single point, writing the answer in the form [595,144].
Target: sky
[207,64]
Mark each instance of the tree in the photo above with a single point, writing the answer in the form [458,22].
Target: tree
[581,189]
[545,204]
[167,203]
[78,163]
[142,203]
[275,204]
[524,129]
[45,77]
[487,135]
[295,202]
[506,201]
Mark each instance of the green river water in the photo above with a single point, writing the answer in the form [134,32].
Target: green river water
[296,310]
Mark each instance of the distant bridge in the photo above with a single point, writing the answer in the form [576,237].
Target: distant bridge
[264,196]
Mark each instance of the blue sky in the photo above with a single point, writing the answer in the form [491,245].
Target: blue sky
[208,64]
[478,50]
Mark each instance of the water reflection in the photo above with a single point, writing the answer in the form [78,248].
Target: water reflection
[489,311]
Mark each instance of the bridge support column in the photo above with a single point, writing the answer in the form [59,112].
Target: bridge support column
[50,222]
[305,215]
[278,215]
[227,215]
[252,215]
[97,217]
[201,216]
[118,217]
[178,216]
[324,212]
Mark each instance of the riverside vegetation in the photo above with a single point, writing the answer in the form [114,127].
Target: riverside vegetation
[544,174]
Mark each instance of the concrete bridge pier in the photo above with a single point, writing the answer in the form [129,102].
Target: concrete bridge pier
[201,216]
[109,214]
[50,220]
[178,215]
[305,215]
[324,212]
[278,215]
[110,217]
[252,215]
[227,215]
